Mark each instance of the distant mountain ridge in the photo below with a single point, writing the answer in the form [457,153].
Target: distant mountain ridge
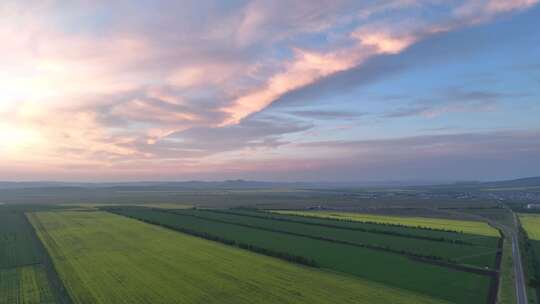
[248,184]
[243,184]
[226,184]
[520,182]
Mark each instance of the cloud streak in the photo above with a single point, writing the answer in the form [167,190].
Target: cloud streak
[81,87]
[453,101]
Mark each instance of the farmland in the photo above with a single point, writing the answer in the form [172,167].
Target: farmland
[101,257]
[17,247]
[26,284]
[480,256]
[396,228]
[22,273]
[365,263]
[477,228]
[531,225]
[106,258]
[507,292]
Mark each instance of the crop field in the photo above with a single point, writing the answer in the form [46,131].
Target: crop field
[531,224]
[17,247]
[480,256]
[398,271]
[22,275]
[27,284]
[507,291]
[470,227]
[391,228]
[106,258]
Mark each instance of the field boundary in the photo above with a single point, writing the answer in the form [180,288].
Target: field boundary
[496,278]
[336,256]
[361,245]
[275,254]
[447,263]
[57,285]
[458,267]
[531,267]
[404,235]
[21,265]
[168,266]
[269,211]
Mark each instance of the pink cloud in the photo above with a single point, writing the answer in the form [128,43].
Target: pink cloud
[478,11]
[65,84]
[309,66]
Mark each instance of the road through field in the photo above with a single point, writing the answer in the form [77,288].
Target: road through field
[521,289]
[520,283]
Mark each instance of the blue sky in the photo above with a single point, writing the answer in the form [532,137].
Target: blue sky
[270,90]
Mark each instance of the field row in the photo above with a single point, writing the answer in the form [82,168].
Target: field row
[106,258]
[439,235]
[17,247]
[26,284]
[467,227]
[387,268]
[531,224]
[450,252]
[22,275]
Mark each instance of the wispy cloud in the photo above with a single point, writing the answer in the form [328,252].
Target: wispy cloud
[326,114]
[175,81]
[453,101]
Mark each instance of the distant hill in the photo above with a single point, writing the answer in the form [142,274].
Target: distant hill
[520,182]
[195,185]
[241,184]
[247,184]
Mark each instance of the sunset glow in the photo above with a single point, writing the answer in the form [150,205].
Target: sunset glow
[295,90]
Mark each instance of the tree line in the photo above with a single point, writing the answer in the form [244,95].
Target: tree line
[276,254]
[374,230]
[320,238]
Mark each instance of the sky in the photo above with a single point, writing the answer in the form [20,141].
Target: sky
[319,90]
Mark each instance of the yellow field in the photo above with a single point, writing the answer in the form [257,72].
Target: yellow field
[472,227]
[531,224]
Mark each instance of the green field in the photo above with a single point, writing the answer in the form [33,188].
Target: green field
[17,248]
[106,258]
[531,224]
[470,227]
[27,284]
[387,268]
[507,291]
[464,254]
[22,275]
[73,207]
[408,231]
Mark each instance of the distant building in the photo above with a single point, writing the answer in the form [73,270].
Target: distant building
[533,206]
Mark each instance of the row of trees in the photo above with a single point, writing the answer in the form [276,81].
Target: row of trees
[364,222]
[265,215]
[533,267]
[280,255]
[320,238]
